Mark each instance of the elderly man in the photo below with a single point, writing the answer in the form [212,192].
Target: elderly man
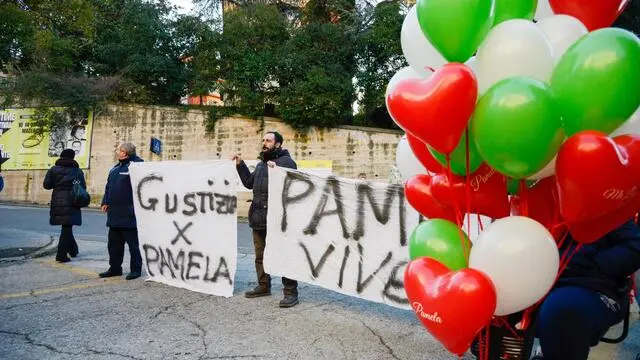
[121,219]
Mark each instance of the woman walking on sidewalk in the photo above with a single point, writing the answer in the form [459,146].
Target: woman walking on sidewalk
[60,178]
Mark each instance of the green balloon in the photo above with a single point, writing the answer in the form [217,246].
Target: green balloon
[455,27]
[517,127]
[441,240]
[597,81]
[514,9]
[458,157]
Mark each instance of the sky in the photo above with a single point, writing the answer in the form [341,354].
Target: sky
[184,5]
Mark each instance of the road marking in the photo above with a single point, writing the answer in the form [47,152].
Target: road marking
[76,270]
[60,289]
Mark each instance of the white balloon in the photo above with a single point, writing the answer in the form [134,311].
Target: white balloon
[514,48]
[631,126]
[521,258]
[547,170]
[417,49]
[543,10]
[406,162]
[562,31]
[472,63]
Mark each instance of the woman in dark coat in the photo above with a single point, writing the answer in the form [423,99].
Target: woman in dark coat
[60,178]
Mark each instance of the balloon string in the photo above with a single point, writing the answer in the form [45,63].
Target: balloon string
[468,182]
[480,225]
[566,258]
[459,215]
[524,198]
[487,343]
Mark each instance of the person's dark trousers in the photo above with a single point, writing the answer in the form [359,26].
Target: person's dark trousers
[117,238]
[290,287]
[66,244]
[572,319]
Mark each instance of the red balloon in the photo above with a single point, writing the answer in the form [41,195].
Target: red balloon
[595,228]
[418,192]
[452,305]
[597,175]
[436,110]
[423,154]
[594,14]
[542,205]
[488,190]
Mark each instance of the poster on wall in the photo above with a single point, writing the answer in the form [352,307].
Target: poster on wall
[23,148]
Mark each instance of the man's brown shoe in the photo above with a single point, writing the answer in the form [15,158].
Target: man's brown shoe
[257,292]
[289,301]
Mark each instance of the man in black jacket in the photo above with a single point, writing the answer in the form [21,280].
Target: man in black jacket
[121,219]
[272,151]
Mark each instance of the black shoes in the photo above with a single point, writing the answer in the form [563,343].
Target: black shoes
[257,292]
[289,301]
[63,260]
[132,275]
[109,273]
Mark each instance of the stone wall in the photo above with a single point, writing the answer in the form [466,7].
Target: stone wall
[354,150]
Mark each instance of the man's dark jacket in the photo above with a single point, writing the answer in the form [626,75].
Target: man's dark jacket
[605,265]
[60,178]
[259,182]
[119,196]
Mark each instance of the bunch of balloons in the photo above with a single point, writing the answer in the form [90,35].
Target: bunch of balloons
[526,112]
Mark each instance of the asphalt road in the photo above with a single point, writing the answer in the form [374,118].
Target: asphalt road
[28,227]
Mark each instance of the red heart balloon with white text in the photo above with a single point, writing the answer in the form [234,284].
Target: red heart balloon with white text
[452,305]
[436,110]
[597,175]
[598,183]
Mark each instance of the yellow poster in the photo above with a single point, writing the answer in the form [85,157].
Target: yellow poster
[22,148]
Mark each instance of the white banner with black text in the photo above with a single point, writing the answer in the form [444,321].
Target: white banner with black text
[350,236]
[187,223]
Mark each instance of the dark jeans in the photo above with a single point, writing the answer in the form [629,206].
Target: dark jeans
[290,287]
[117,238]
[572,319]
[67,243]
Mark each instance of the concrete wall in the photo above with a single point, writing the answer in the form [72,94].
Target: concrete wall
[353,150]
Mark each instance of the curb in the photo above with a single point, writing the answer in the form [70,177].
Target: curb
[50,248]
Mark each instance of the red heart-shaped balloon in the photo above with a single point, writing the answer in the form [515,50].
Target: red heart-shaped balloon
[597,175]
[594,14]
[417,190]
[436,110]
[595,228]
[488,190]
[423,154]
[452,306]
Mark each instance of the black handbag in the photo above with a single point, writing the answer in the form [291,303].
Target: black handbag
[79,196]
